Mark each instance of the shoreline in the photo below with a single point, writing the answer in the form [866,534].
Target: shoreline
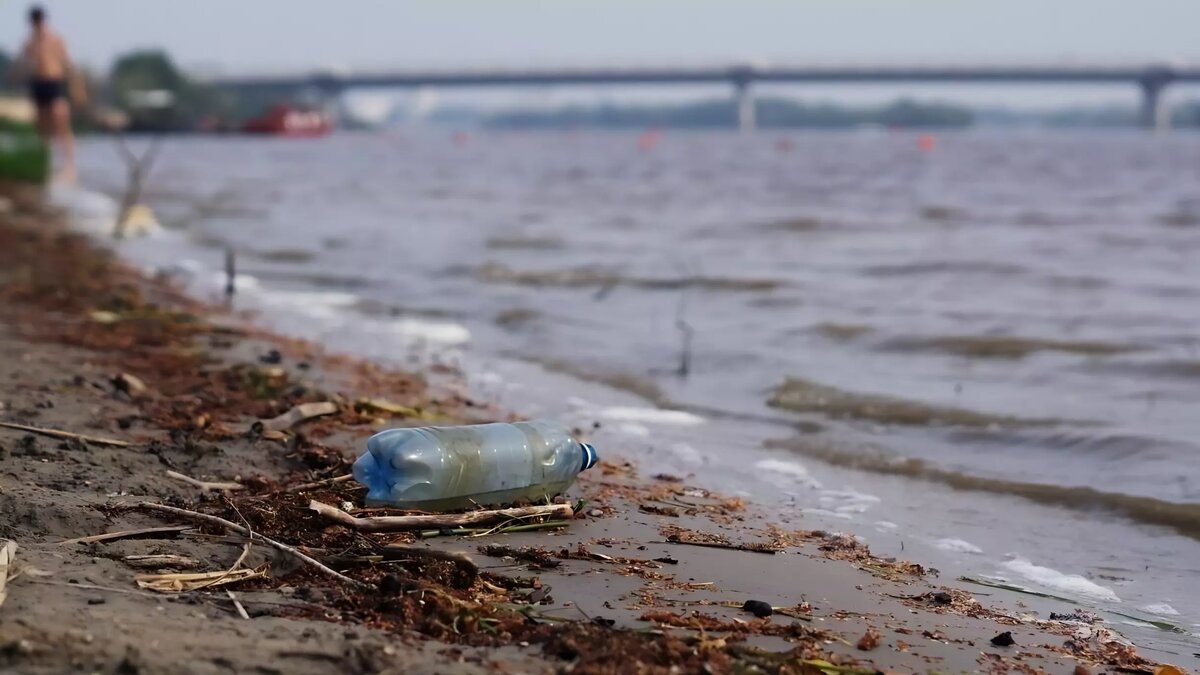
[69,305]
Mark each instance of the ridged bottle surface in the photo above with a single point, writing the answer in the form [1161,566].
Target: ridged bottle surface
[444,468]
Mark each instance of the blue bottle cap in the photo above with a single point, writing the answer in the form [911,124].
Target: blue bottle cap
[590,457]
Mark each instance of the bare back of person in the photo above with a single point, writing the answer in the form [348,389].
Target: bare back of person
[47,66]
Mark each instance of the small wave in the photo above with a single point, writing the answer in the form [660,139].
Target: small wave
[602,278]
[1161,368]
[957,546]
[942,213]
[841,331]
[626,382]
[1161,609]
[651,416]
[516,317]
[1053,580]
[797,225]
[525,243]
[803,396]
[290,255]
[1004,346]
[1184,518]
[314,278]
[956,267]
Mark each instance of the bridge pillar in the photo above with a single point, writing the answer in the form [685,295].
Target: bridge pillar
[1155,114]
[744,99]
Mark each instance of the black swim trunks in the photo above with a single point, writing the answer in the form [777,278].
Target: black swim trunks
[45,91]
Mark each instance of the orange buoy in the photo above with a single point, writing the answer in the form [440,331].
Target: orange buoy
[926,142]
[785,145]
[462,137]
[648,139]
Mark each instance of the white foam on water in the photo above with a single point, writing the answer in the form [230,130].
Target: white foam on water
[886,525]
[652,416]
[826,513]
[577,403]
[634,429]
[1161,609]
[957,546]
[848,501]
[441,332]
[1052,579]
[786,474]
[686,453]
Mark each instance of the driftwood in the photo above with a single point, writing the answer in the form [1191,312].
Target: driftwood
[204,485]
[56,433]
[127,534]
[302,412]
[425,522]
[8,555]
[234,527]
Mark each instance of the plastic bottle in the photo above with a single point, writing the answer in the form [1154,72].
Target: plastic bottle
[446,468]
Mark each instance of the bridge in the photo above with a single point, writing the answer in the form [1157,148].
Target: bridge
[1151,79]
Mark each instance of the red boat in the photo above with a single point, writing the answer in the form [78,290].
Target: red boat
[285,120]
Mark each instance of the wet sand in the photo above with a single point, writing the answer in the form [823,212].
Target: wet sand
[650,575]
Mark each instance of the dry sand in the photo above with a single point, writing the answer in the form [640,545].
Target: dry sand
[618,590]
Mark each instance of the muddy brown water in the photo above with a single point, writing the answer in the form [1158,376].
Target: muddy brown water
[987,353]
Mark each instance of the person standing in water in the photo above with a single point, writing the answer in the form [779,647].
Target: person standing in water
[46,66]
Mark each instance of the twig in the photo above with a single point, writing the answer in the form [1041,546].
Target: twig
[298,414]
[753,548]
[215,520]
[461,560]
[240,610]
[479,531]
[424,522]
[56,433]
[230,275]
[686,332]
[204,485]
[126,534]
[320,483]
[138,168]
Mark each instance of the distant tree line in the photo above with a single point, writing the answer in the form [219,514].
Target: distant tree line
[722,113]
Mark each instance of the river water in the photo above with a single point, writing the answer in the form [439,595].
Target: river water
[982,352]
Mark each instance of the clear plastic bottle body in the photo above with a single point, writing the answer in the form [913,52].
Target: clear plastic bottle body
[444,468]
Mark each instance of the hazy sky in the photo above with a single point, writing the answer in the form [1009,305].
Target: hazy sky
[240,35]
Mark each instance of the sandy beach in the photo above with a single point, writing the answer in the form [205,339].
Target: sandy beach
[650,574]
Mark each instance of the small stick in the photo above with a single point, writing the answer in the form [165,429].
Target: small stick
[462,560]
[240,610]
[126,534]
[204,485]
[230,275]
[56,433]
[753,548]
[320,483]
[425,522]
[298,414]
[215,520]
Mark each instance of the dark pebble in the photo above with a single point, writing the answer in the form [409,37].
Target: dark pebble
[96,601]
[942,598]
[391,585]
[272,357]
[758,608]
[1004,639]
